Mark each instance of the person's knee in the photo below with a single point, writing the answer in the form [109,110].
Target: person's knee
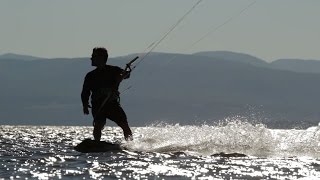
[123,124]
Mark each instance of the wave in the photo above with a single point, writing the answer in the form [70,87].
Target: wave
[231,137]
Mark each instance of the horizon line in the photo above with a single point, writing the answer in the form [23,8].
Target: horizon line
[227,51]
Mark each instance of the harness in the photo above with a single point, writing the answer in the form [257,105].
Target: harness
[105,95]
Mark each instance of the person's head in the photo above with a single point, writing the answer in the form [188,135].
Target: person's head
[99,56]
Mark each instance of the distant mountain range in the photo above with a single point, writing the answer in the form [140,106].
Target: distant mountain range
[8,56]
[295,65]
[204,87]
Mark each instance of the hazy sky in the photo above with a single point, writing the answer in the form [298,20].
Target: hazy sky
[270,29]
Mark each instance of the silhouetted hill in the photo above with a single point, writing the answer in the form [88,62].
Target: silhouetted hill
[18,57]
[297,65]
[234,56]
[189,89]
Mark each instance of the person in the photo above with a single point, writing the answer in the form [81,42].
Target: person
[102,84]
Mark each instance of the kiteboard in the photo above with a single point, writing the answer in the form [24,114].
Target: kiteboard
[89,146]
[228,155]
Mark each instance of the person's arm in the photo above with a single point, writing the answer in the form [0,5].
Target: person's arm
[85,94]
[125,74]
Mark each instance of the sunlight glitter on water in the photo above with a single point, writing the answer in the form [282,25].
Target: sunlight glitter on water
[240,137]
[168,151]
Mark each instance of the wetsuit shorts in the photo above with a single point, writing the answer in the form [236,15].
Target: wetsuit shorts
[112,111]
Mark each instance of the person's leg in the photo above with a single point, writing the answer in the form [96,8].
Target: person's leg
[97,128]
[119,117]
[98,123]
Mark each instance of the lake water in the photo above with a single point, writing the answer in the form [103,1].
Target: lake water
[162,152]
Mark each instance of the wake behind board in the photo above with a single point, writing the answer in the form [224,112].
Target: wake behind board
[88,146]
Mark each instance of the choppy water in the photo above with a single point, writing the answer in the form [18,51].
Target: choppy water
[162,152]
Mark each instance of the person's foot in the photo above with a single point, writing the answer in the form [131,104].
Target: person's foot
[128,137]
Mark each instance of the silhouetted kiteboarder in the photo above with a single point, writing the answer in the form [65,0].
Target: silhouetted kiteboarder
[102,84]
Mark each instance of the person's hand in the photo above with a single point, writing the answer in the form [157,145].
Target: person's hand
[86,110]
[126,74]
